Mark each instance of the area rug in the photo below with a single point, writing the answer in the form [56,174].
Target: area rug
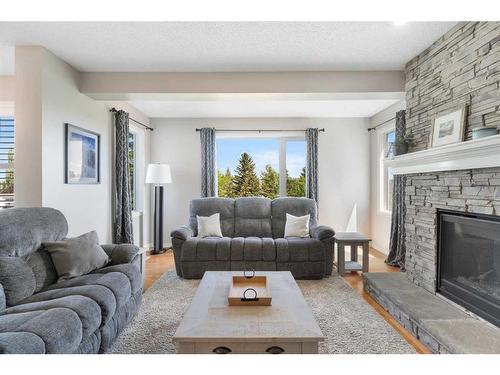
[350,325]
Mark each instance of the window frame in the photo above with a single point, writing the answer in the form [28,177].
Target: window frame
[383,169]
[282,148]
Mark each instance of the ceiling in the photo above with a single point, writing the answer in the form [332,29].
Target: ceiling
[262,108]
[223,46]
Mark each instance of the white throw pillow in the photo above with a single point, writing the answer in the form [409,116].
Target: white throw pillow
[297,226]
[209,226]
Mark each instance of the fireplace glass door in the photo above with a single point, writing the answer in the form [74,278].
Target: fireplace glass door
[469,262]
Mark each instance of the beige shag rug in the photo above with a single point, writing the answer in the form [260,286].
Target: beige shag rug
[350,325]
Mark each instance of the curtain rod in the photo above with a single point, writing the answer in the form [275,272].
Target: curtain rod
[382,123]
[114,110]
[260,130]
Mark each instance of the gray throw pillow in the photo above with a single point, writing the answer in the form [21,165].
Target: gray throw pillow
[17,280]
[77,256]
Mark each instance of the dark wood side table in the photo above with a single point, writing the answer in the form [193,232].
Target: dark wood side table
[353,240]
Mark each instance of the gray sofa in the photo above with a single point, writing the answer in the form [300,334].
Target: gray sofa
[253,230]
[40,315]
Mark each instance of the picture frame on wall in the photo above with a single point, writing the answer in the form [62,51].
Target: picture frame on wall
[448,128]
[82,155]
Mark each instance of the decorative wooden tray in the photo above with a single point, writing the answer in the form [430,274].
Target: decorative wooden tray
[249,291]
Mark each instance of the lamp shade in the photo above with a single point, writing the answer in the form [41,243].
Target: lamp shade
[158,174]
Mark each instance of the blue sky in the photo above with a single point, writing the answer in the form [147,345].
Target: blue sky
[263,152]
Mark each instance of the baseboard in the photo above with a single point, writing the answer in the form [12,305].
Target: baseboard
[380,248]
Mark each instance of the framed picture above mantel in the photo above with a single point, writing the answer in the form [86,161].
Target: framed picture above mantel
[448,128]
[82,155]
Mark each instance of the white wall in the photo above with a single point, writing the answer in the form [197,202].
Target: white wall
[49,98]
[86,207]
[7,88]
[380,220]
[343,165]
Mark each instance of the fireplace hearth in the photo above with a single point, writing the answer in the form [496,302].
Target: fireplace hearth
[469,262]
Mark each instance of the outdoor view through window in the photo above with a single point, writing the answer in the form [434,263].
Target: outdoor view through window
[253,166]
[6,162]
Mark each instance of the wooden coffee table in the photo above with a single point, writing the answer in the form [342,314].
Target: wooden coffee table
[210,325]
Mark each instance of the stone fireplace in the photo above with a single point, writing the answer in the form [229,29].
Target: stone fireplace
[468,191]
[461,69]
[468,271]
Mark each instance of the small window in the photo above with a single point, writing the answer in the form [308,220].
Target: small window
[389,154]
[385,139]
[7,132]
[132,168]
[389,144]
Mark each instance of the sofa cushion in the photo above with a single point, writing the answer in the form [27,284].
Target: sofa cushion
[43,268]
[102,295]
[60,329]
[206,249]
[293,206]
[17,279]
[88,310]
[22,230]
[252,217]
[116,282]
[253,249]
[78,256]
[296,249]
[129,270]
[210,206]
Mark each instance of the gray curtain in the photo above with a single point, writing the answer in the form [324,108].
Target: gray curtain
[122,227]
[208,172]
[312,163]
[397,246]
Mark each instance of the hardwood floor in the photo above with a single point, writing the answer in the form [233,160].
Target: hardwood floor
[157,265]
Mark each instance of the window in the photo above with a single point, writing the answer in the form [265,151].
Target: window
[271,167]
[6,162]
[386,138]
[389,154]
[132,168]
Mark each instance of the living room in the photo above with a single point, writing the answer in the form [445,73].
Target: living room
[193,187]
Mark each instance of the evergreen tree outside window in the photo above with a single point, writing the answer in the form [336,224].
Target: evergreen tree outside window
[252,167]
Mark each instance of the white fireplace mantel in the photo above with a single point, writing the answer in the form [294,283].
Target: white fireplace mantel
[478,153]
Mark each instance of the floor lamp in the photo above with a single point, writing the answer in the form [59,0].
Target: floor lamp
[158,174]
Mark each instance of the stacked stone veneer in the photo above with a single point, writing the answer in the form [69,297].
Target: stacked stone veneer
[460,68]
[475,190]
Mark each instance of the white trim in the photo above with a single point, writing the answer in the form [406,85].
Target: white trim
[478,153]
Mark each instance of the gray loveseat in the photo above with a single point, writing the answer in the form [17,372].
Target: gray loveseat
[40,315]
[253,230]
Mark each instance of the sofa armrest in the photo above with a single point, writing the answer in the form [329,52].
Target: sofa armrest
[3,300]
[322,232]
[121,253]
[183,232]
